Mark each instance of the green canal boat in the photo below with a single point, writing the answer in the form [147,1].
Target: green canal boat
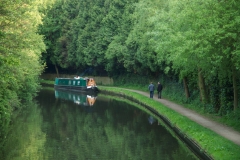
[78,84]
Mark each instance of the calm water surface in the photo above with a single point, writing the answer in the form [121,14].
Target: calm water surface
[70,126]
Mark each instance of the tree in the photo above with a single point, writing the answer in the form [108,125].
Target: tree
[20,53]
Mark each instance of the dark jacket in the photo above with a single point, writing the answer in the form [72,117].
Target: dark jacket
[159,87]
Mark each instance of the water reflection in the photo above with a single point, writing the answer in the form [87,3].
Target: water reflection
[57,128]
[26,139]
[85,99]
[151,120]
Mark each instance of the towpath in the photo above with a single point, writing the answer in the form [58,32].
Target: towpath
[219,128]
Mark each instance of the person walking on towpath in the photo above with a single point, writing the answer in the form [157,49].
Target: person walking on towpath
[151,89]
[159,90]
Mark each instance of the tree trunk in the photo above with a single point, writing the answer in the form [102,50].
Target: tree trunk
[235,92]
[56,70]
[186,87]
[202,87]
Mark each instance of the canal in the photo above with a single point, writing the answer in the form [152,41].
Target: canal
[69,126]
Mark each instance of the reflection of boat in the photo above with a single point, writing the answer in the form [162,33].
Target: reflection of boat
[78,84]
[78,98]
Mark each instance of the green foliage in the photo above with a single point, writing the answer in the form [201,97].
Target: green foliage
[149,37]
[20,54]
[84,36]
[193,35]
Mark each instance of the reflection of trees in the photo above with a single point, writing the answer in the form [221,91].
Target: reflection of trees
[111,132]
[65,131]
[26,139]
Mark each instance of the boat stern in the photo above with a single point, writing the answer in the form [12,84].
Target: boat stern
[91,85]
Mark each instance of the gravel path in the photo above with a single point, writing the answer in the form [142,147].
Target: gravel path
[219,128]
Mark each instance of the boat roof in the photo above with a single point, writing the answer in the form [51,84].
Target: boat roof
[85,78]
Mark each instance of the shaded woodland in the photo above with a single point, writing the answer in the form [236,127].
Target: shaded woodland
[196,42]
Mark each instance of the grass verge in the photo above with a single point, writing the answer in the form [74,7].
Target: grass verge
[215,145]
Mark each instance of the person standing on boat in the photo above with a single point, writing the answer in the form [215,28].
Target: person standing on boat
[159,90]
[77,77]
[151,89]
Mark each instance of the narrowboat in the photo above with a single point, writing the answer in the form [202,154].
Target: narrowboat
[77,84]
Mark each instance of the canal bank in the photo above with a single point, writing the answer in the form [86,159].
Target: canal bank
[208,139]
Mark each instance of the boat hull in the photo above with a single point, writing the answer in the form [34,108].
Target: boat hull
[76,88]
[77,85]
